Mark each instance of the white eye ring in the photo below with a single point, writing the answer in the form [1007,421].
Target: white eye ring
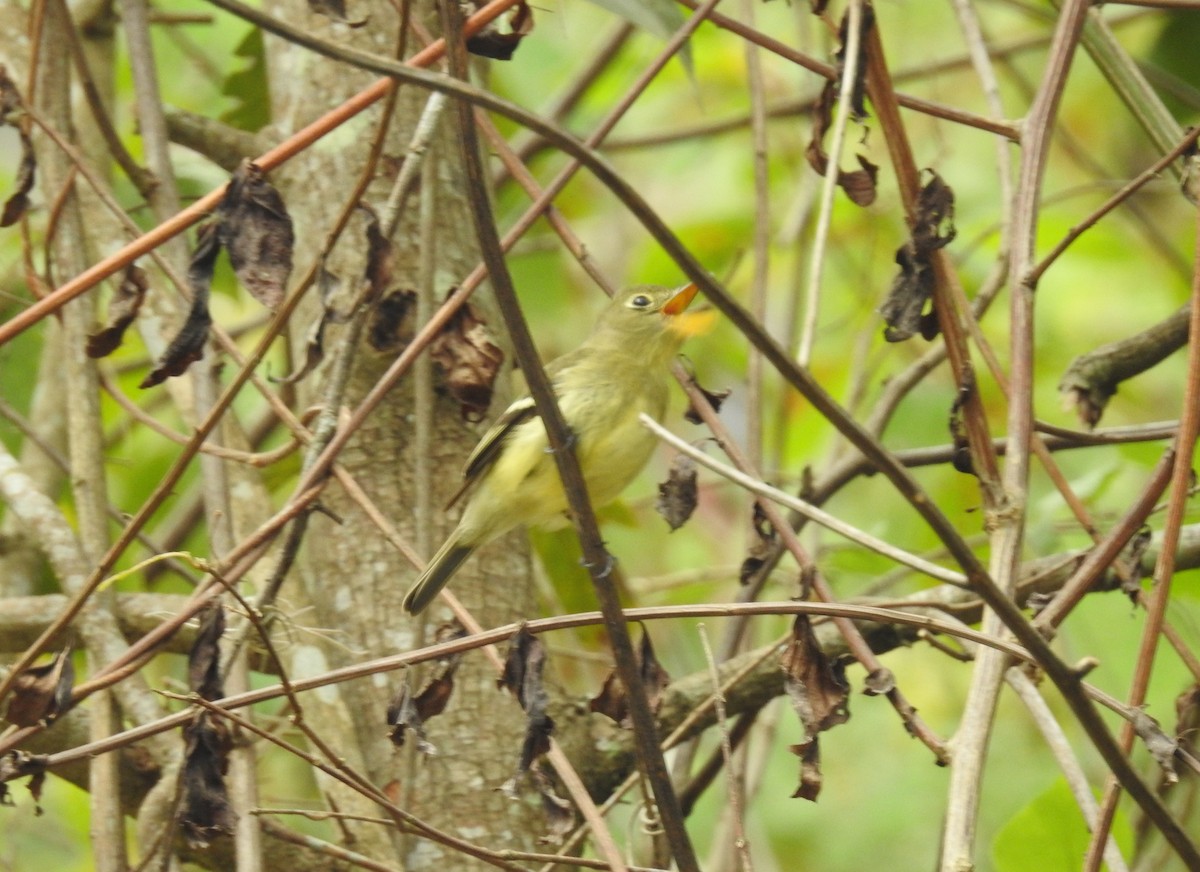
[641,301]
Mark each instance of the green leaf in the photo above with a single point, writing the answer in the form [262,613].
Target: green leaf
[248,86]
[1048,834]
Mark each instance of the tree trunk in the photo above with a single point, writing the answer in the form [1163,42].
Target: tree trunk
[351,576]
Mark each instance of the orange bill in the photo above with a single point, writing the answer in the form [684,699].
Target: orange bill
[680,301]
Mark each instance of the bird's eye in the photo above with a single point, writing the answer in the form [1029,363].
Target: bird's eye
[641,301]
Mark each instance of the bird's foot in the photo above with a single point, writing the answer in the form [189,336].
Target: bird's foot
[569,445]
[610,563]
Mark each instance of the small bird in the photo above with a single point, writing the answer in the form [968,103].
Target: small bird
[622,369]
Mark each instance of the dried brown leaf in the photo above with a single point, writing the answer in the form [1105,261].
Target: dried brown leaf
[760,549]
[961,459]
[204,660]
[522,677]
[11,109]
[188,345]
[122,310]
[42,693]
[818,691]
[17,203]
[392,320]
[715,399]
[205,811]
[860,185]
[613,701]
[256,230]
[492,42]
[469,361]
[905,309]
[408,712]
[22,764]
[677,495]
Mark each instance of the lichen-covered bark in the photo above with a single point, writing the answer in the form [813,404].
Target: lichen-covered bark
[352,578]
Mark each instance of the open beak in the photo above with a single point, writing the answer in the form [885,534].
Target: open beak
[680,300]
[688,323]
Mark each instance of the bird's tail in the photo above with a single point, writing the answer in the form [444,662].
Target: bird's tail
[443,565]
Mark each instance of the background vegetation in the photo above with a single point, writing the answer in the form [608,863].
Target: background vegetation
[716,146]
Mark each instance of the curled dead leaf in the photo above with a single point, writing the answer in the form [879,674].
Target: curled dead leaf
[677,495]
[204,659]
[819,692]
[11,111]
[469,361]
[904,310]
[188,345]
[42,693]
[122,310]
[500,45]
[205,811]
[613,701]
[522,677]
[256,230]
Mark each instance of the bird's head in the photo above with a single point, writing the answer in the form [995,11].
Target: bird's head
[653,317]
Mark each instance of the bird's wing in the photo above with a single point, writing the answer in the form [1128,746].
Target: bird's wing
[484,454]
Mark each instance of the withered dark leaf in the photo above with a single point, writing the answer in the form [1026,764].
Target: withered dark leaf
[256,230]
[715,399]
[613,701]
[469,361]
[205,810]
[961,458]
[335,10]
[12,105]
[760,549]
[818,691]
[816,685]
[522,676]
[204,660]
[22,764]
[188,345]
[391,320]
[858,109]
[408,712]
[860,185]
[810,769]
[560,815]
[18,202]
[122,310]
[677,495]
[42,693]
[491,42]
[904,310]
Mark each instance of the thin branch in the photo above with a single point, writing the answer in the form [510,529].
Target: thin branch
[810,511]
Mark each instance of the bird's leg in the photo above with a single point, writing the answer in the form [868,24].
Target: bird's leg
[569,445]
[610,563]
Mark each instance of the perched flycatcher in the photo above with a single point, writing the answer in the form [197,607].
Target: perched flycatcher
[601,386]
